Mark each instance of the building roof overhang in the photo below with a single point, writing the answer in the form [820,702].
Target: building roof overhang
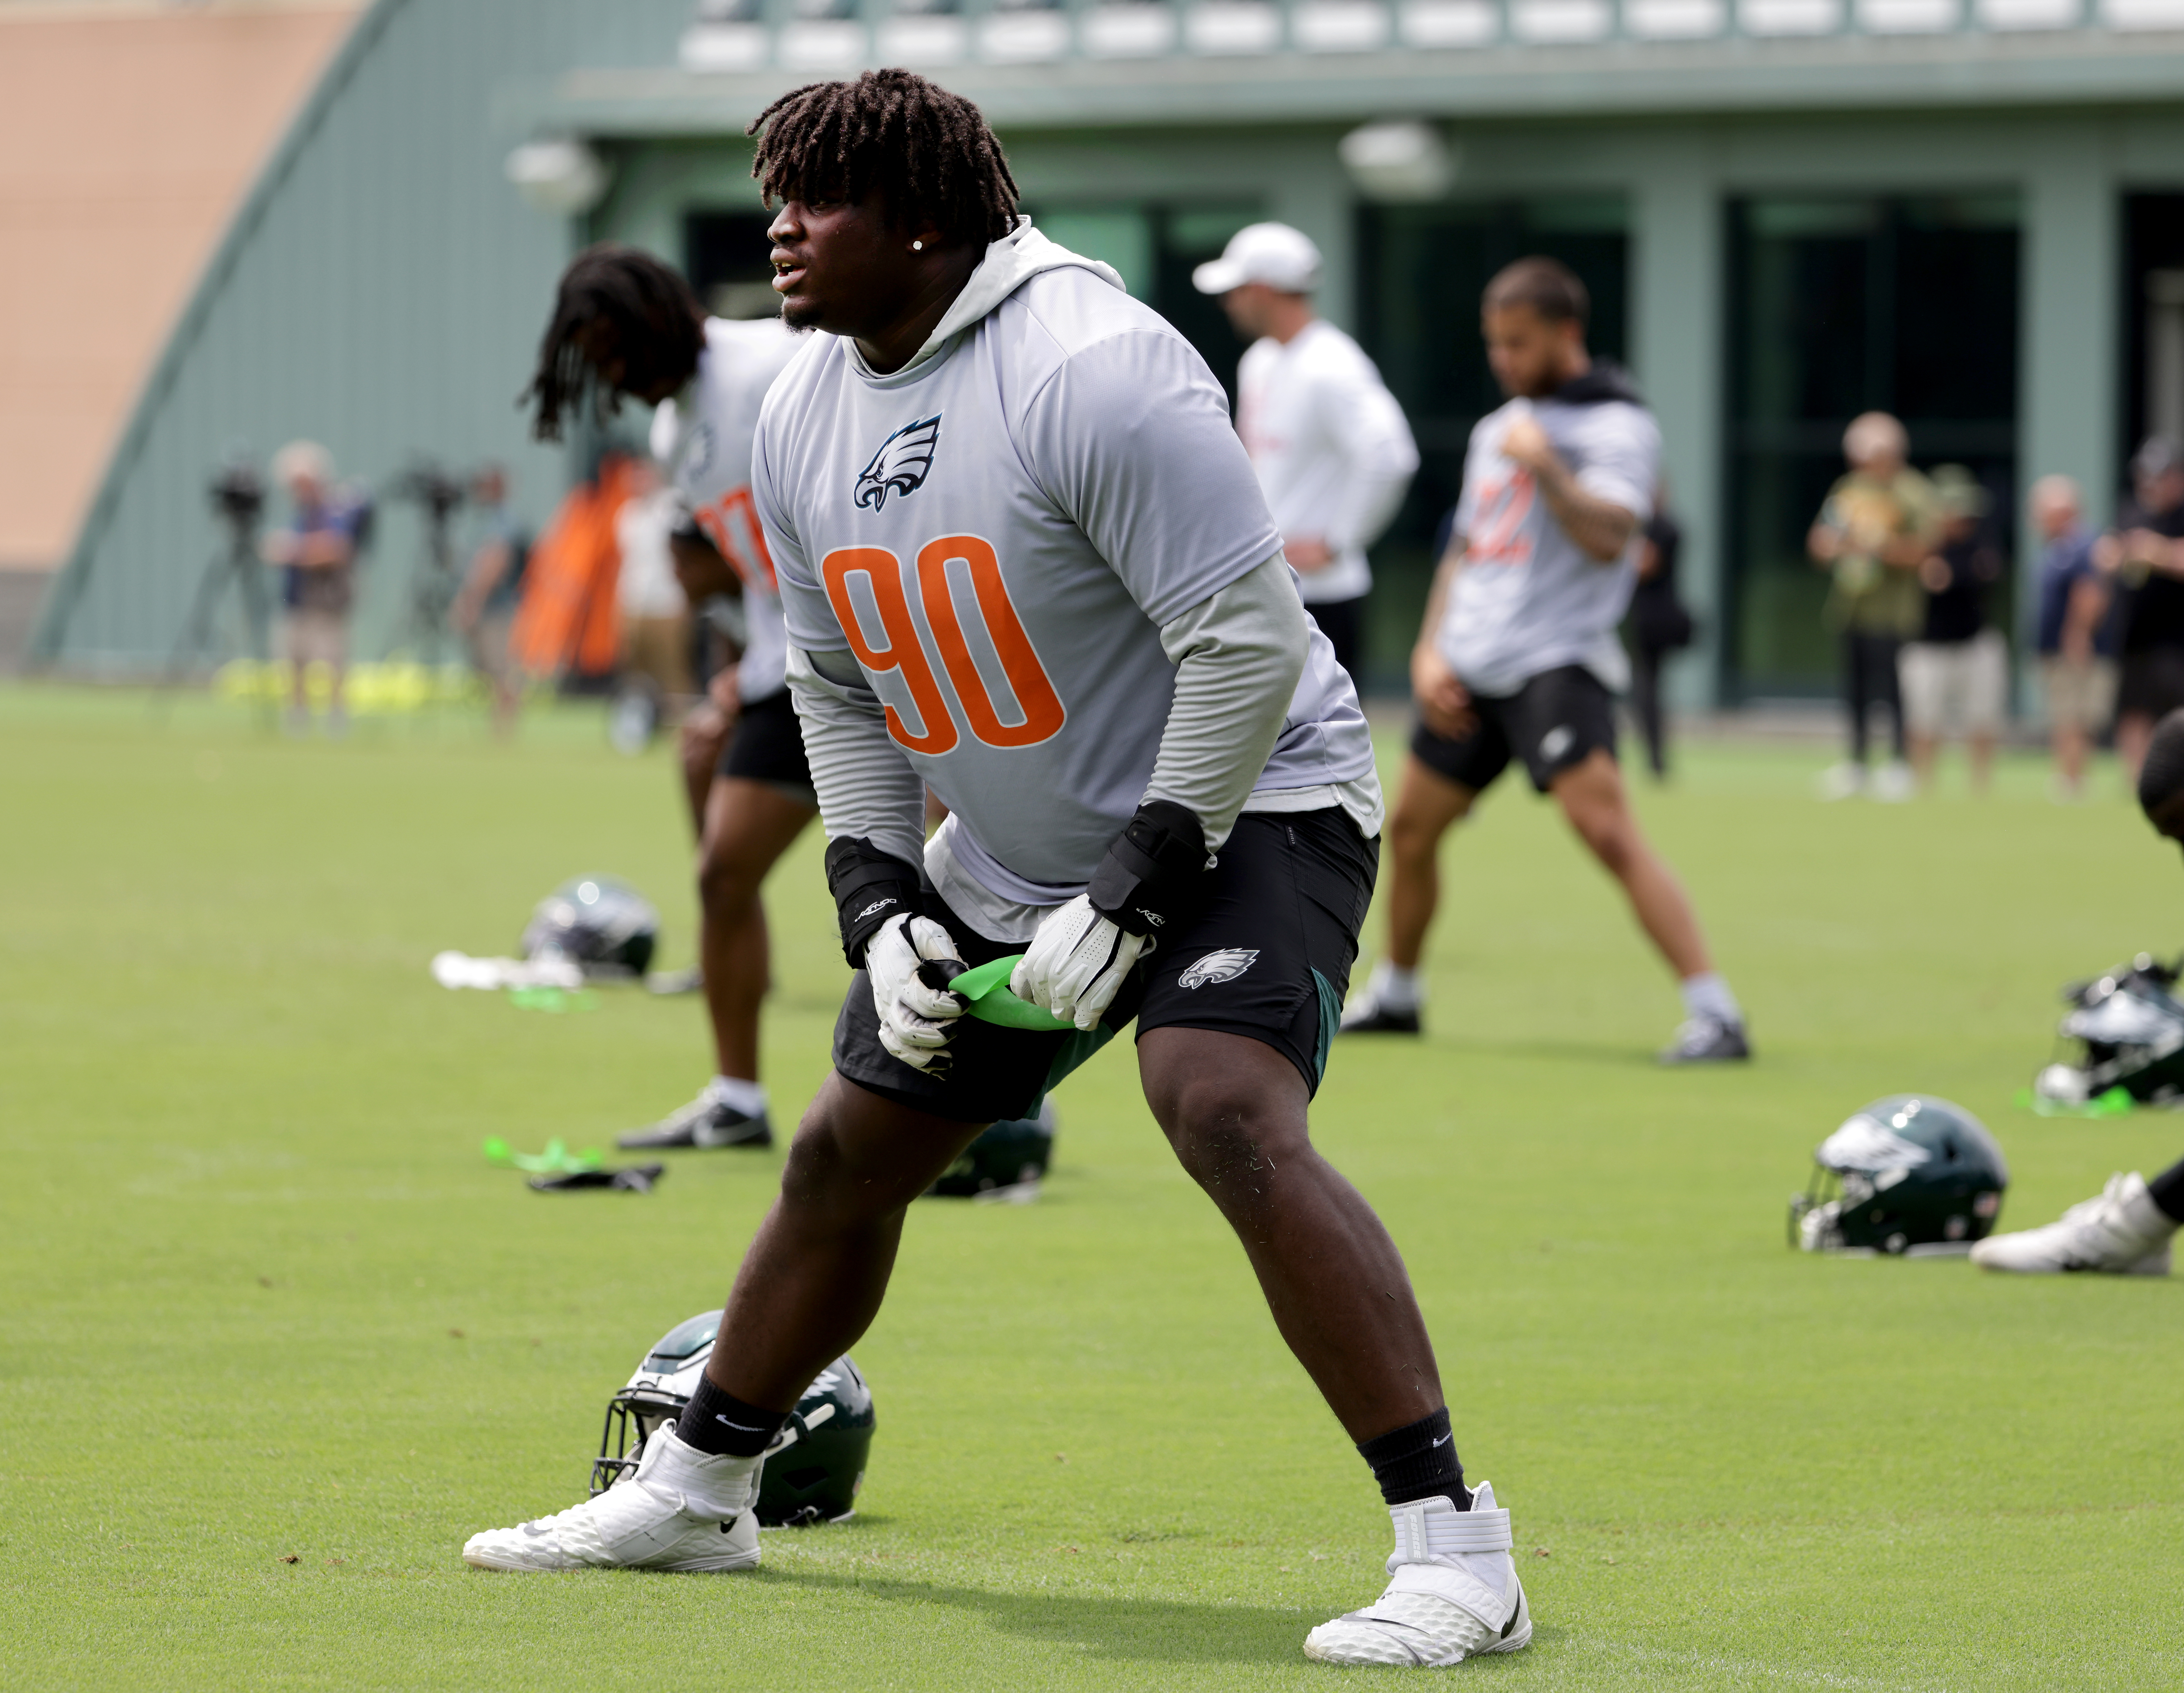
[1613,78]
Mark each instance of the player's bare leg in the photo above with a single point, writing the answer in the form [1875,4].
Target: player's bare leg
[1594,799]
[1427,806]
[749,825]
[1234,1110]
[705,731]
[818,1268]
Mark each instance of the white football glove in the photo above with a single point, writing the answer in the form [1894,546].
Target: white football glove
[1076,963]
[915,1021]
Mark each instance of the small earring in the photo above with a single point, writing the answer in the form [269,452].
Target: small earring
[917,247]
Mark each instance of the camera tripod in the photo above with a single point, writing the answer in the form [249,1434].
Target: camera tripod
[435,583]
[237,500]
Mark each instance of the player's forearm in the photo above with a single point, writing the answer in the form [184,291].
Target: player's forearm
[1239,656]
[1437,599]
[866,787]
[1600,529]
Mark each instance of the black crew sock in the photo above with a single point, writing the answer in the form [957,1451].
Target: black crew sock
[2166,1190]
[722,1426]
[1418,1461]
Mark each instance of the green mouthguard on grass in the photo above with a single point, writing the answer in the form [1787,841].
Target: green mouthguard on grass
[987,988]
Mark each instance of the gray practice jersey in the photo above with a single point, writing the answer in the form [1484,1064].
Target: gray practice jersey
[704,439]
[998,532]
[1527,598]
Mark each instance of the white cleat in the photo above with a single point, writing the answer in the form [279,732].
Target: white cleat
[1893,783]
[681,1510]
[2121,1232]
[1453,1595]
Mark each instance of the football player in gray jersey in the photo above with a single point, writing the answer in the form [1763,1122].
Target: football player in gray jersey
[625,323]
[1024,559]
[1518,657]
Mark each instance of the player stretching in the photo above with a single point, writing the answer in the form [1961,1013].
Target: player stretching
[1024,557]
[1518,657]
[625,323]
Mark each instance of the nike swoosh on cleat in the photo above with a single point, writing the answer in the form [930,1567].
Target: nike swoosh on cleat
[747,1427]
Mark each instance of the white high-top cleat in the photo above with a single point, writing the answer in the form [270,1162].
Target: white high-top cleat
[681,1510]
[2121,1232]
[1453,1595]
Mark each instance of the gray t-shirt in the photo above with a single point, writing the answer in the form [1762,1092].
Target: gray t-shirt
[998,534]
[1527,598]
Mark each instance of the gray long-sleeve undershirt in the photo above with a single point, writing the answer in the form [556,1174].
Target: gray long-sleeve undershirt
[1239,655]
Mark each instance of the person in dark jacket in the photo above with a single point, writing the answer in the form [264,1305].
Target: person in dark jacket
[1659,626]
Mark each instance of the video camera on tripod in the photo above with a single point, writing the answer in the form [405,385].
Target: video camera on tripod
[438,495]
[237,494]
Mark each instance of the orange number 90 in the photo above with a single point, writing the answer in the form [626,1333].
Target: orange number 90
[1042,707]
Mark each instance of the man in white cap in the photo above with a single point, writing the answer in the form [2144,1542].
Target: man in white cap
[1332,452]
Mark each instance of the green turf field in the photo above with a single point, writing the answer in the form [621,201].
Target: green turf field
[276,1339]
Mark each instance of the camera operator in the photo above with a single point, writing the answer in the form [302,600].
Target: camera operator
[316,552]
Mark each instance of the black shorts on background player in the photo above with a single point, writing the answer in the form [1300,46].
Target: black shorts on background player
[1267,957]
[767,745]
[1553,722]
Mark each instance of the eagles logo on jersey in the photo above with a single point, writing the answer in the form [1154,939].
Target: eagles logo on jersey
[900,465]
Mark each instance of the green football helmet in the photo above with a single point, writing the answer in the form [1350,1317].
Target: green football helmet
[816,1465]
[1910,1175]
[1005,1162]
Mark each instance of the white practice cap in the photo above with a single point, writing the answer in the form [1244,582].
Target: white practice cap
[1282,258]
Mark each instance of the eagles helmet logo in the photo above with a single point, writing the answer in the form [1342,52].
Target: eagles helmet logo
[900,465]
[1216,967]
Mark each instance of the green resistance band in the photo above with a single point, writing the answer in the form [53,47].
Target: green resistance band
[556,1160]
[2116,1102]
[987,988]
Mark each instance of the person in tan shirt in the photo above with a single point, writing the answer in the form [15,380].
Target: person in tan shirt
[1879,524]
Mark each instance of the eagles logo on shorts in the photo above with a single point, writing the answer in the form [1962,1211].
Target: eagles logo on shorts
[900,465]
[1216,967]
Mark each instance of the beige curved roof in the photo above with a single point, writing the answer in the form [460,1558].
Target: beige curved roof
[129,132]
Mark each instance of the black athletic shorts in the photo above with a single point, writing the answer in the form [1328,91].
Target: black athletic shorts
[767,745]
[1267,958]
[1557,720]
[2151,682]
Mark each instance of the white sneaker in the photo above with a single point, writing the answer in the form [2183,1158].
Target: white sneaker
[1893,784]
[1841,782]
[2122,1233]
[1454,1593]
[682,1510]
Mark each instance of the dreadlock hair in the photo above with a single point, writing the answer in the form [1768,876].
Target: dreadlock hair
[2161,777]
[652,323]
[927,152]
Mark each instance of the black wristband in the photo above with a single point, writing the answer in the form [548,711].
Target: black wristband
[1151,876]
[869,887]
